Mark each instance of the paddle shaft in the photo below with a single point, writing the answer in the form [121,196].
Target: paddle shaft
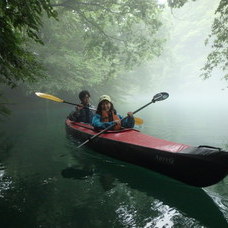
[142,107]
[70,103]
[78,105]
[94,136]
[109,127]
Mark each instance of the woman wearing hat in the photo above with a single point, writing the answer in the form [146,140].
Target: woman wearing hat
[106,115]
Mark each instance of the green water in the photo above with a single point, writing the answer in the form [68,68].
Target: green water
[47,182]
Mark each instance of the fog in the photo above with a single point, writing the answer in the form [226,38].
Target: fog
[195,106]
[196,111]
[177,71]
[81,52]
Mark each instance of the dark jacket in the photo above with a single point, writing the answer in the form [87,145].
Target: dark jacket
[84,115]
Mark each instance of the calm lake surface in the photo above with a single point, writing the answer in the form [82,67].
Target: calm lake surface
[47,182]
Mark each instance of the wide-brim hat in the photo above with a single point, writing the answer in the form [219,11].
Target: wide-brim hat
[105,97]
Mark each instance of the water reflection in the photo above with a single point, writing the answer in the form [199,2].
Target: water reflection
[6,145]
[172,202]
[23,201]
[41,188]
[5,148]
[74,173]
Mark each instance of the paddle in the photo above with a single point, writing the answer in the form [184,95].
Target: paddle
[138,121]
[158,97]
[56,99]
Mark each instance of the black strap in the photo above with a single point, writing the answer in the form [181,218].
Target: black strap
[210,147]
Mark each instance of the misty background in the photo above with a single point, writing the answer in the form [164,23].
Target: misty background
[130,50]
[195,104]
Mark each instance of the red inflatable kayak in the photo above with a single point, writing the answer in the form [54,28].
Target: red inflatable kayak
[198,166]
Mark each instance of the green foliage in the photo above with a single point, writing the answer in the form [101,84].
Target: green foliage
[177,3]
[93,42]
[177,69]
[217,59]
[20,20]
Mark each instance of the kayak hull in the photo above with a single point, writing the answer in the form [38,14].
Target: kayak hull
[196,166]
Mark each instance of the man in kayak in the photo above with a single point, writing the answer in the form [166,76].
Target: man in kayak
[85,111]
[106,115]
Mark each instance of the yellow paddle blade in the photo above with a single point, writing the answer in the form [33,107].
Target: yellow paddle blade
[138,121]
[49,97]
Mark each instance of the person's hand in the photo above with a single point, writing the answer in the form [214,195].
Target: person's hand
[79,107]
[117,121]
[130,114]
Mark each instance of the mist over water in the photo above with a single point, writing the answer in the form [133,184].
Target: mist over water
[195,114]
[39,152]
[98,191]
[196,111]
[191,117]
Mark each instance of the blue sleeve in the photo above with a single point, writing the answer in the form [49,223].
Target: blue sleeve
[98,124]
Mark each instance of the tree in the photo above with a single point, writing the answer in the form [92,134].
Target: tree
[218,58]
[93,42]
[20,21]
[218,38]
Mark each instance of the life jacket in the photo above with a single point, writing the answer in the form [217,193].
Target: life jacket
[110,116]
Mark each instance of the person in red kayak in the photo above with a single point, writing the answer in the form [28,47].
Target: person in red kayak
[85,111]
[106,115]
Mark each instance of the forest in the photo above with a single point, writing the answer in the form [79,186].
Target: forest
[118,47]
